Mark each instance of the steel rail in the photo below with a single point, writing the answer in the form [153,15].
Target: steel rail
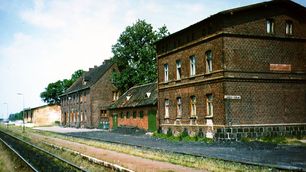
[40,149]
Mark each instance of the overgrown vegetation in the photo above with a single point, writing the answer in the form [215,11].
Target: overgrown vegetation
[11,162]
[184,136]
[278,140]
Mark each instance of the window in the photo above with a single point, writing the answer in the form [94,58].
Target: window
[289,27]
[192,66]
[103,113]
[193,108]
[115,95]
[179,107]
[208,60]
[134,114]
[209,103]
[167,108]
[270,26]
[141,114]
[178,69]
[127,114]
[166,72]
[121,115]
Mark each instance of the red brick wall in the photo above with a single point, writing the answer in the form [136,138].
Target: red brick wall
[267,102]
[200,91]
[102,95]
[241,66]
[136,122]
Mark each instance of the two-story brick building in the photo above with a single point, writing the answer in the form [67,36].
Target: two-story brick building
[238,73]
[85,103]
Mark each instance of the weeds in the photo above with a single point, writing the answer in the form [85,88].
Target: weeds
[182,137]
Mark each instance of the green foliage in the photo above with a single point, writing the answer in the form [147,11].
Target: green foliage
[182,137]
[16,116]
[54,90]
[135,55]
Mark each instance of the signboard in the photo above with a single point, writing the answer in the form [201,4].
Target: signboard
[235,97]
[280,67]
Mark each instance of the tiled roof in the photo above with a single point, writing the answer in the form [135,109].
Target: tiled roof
[90,77]
[138,97]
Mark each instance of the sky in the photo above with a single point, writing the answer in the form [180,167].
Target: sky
[42,41]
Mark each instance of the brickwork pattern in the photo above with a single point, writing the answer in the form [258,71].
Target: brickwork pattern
[241,66]
[134,122]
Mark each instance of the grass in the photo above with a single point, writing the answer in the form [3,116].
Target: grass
[76,159]
[182,137]
[11,162]
[184,160]
[278,140]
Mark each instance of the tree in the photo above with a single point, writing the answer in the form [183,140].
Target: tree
[54,90]
[135,55]
[16,116]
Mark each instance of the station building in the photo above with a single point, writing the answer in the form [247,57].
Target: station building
[238,73]
[85,103]
[46,115]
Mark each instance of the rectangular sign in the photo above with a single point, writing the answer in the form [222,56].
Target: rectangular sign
[280,67]
[232,97]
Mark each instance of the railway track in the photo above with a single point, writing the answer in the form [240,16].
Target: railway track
[36,158]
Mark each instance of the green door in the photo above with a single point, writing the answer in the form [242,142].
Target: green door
[152,120]
[115,121]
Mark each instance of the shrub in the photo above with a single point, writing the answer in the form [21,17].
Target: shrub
[169,132]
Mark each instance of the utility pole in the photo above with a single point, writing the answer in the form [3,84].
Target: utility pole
[23,127]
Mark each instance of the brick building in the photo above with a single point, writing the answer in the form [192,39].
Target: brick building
[43,115]
[238,73]
[136,107]
[85,103]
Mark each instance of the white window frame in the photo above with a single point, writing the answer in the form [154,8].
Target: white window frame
[167,108]
[193,106]
[289,28]
[178,69]
[270,26]
[166,72]
[179,108]
[208,59]
[192,61]
[209,105]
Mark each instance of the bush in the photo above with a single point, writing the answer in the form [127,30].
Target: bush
[57,122]
[169,132]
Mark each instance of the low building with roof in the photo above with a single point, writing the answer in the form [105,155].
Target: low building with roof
[85,103]
[137,107]
[43,115]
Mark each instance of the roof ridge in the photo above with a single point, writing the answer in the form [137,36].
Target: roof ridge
[136,86]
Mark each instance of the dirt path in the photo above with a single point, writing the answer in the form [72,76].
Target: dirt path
[128,161]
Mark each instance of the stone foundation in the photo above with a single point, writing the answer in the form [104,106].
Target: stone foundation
[235,133]
[239,132]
